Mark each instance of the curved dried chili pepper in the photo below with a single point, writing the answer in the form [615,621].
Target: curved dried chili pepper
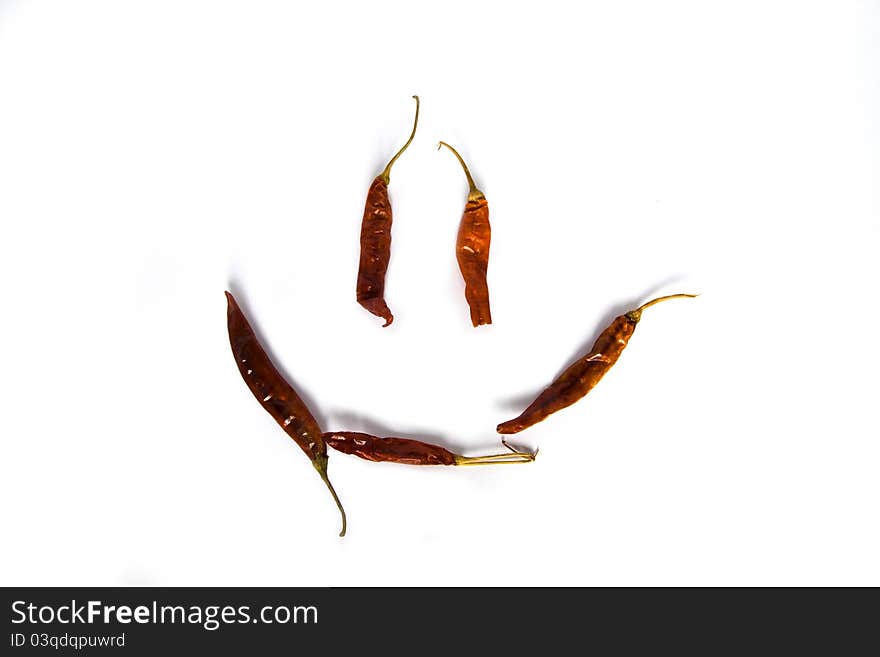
[376,239]
[414,452]
[472,248]
[276,395]
[580,377]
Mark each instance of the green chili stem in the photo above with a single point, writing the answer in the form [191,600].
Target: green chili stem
[474,194]
[386,173]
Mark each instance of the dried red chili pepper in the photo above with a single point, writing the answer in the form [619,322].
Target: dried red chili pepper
[414,452]
[580,377]
[472,248]
[376,239]
[276,395]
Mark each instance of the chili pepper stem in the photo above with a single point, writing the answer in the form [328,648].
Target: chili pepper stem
[498,459]
[321,467]
[474,194]
[636,315]
[516,451]
[386,172]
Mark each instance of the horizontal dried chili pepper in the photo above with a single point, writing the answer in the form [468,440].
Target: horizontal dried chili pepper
[276,395]
[414,452]
[580,377]
[472,248]
[376,239]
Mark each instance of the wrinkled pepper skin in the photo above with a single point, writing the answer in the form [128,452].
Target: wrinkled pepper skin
[375,251]
[276,395]
[269,387]
[393,450]
[472,252]
[581,377]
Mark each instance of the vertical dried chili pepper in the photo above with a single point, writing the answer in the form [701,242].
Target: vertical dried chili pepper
[414,452]
[376,239]
[580,377]
[472,248]
[276,395]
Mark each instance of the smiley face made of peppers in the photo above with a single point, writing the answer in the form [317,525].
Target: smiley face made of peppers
[287,408]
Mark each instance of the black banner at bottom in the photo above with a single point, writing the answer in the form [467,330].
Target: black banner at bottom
[148,621]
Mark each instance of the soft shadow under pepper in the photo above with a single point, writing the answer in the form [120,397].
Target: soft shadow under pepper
[582,376]
[376,239]
[472,248]
[276,395]
[414,452]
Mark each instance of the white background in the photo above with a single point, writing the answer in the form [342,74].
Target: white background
[153,154]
